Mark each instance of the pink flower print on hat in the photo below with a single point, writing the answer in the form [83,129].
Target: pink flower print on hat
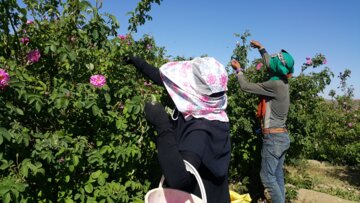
[223,80]
[211,79]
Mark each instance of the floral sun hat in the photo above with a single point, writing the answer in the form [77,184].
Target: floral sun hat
[190,84]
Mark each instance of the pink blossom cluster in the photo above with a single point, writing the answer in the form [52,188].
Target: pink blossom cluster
[98,80]
[4,79]
[33,56]
[308,61]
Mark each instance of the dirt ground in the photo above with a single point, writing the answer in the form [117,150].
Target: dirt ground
[310,196]
[329,184]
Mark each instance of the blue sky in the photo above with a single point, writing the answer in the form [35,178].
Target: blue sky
[304,28]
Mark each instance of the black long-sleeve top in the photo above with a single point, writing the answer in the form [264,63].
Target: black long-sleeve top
[207,140]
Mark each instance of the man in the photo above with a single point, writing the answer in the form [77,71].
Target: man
[273,110]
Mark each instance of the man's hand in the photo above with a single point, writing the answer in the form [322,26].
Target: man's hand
[235,65]
[256,44]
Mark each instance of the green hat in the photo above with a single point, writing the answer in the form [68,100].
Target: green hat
[281,65]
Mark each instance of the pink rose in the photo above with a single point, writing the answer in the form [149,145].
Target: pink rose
[28,22]
[259,65]
[25,40]
[98,80]
[309,62]
[122,37]
[4,79]
[33,56]
[324,61]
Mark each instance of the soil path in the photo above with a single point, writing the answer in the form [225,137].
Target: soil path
[309,196]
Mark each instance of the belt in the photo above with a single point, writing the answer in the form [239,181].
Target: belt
[273,130]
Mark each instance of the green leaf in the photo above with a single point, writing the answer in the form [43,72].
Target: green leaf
[72,56]
[7,198]
[24,170]
[89,104]
[101,180]
[69,201]
[89,188]
[4,189]
[95,110]
[95,34]
[75,160]
[42,84]
[96,174]
[136,109]
[121,124]
[4,133]
[53,48]
[67,178]
[37,106]
[90,66]
[19,111]
[20,186]
[107,98]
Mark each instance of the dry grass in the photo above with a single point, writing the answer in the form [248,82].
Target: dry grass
[340,181]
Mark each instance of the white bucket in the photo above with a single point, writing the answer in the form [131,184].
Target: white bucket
[168,195]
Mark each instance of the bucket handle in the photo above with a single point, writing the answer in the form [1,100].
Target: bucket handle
[193,171]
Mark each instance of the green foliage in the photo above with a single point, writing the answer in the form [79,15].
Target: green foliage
[241,51]
[61,138]
[140,16]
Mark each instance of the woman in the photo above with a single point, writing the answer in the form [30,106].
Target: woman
[199,131]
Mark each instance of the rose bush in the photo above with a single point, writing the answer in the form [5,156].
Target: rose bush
[71,121]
